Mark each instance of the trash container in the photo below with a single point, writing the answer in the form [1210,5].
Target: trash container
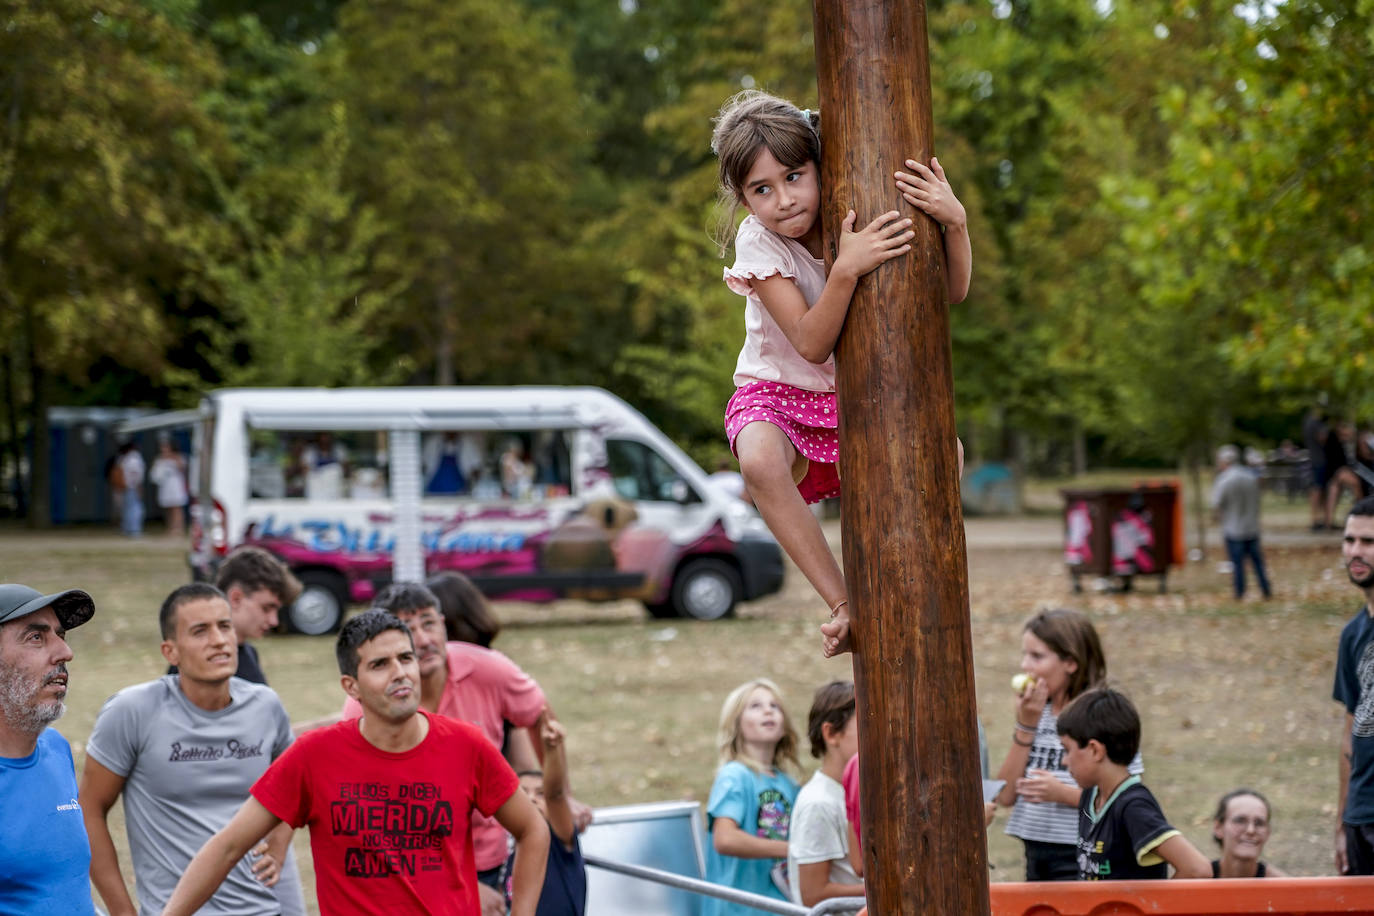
[1116,534]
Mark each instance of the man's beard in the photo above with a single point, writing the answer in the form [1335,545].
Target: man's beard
[18,705]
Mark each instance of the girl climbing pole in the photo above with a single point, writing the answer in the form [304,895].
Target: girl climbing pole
[783,421]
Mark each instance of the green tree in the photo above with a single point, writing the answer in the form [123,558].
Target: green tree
[100,191]
[299,305]
[297,301]
[1280,180]
[466,141]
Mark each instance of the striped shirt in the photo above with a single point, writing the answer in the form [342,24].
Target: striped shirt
[1050,822]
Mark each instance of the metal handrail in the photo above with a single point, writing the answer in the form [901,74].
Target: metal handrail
[730,894]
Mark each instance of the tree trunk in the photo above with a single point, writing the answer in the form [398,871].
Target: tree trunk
[905,562]
[444,373]
[1199,499]
[14,446]
[40,483]
[1080,449]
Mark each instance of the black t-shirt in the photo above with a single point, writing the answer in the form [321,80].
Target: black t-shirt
[1216,869]
[565,879]
[1119,843]
[1334,452]
[248,669]
[1354,689]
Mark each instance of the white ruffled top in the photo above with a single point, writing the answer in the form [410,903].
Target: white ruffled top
[767,355]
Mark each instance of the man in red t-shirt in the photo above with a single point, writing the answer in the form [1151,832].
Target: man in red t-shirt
[482,687]
[388,798]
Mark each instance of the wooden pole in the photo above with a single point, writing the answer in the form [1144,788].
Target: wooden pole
[904,556]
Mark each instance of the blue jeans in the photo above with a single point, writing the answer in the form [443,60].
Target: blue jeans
[132,521]
[1238,550]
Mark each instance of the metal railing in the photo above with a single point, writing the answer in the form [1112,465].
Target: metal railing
[832,907]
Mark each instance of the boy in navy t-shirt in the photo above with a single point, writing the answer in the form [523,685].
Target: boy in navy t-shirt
[1122,833]
[565,877]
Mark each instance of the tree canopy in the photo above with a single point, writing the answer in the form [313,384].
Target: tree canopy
[1166,202]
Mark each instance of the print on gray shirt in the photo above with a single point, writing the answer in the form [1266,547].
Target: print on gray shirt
[187,770]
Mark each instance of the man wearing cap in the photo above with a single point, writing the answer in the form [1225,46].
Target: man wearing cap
[183,751]
[45,857]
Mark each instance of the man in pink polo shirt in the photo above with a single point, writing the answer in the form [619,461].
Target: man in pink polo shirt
[475,685]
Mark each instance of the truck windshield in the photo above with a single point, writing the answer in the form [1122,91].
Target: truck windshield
[639,472]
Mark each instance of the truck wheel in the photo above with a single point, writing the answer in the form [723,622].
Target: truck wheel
[661,610]
[320,607]
[706,589]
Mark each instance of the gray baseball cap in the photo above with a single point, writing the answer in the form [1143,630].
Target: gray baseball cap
[73,607]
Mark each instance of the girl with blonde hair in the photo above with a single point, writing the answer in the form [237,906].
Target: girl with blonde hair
[749,812]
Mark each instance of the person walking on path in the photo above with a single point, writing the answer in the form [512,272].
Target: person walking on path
[1236,500]
[169,475]
[1314,433]
[131,472]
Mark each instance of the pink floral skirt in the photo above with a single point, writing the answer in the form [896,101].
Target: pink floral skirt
[810,419]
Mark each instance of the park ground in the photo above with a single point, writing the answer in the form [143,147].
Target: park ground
[1231,693]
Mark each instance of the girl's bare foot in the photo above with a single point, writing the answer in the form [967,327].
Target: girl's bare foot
[835,634]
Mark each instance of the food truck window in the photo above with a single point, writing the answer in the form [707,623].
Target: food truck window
[509,464]
[317,466]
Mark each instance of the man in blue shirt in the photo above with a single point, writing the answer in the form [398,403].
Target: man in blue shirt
[1354,690]
[45,858]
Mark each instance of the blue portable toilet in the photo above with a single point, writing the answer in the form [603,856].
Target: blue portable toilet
[81,441]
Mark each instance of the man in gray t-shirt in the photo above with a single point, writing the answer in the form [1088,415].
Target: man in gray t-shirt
[184,751]
[1236,500]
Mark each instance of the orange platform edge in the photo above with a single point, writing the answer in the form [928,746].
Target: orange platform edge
[1274,896]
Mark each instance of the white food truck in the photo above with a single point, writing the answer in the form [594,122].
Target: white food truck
[536,493]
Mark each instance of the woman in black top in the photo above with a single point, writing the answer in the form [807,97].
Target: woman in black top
[1241,828]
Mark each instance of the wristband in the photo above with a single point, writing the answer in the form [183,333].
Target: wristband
[1018,742]
[1025,728]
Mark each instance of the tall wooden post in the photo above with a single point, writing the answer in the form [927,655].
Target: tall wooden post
[904,557]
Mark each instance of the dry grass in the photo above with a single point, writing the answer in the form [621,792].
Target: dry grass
[1230,694]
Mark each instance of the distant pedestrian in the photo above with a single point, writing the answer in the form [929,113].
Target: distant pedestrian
[114,479]
[1342,464]
[169,475]
[1236,500]
[131,473]
[1314,435]
[729,481]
